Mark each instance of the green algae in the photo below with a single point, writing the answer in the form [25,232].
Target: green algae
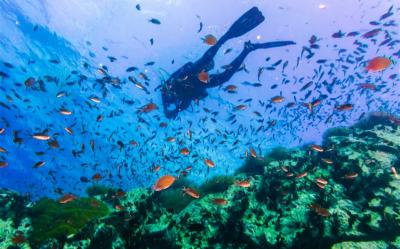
[51,219]
[217,184]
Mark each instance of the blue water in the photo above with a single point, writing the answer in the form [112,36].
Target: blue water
[81,35]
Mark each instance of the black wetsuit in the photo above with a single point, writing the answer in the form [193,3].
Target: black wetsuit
[184,85]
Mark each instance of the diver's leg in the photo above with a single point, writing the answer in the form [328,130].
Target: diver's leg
[248,21]
[219,79]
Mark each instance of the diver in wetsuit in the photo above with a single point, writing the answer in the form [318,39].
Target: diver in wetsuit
[184,85]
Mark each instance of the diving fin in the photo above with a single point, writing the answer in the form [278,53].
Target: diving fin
[248,21]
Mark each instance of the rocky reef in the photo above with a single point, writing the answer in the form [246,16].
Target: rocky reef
[343,193]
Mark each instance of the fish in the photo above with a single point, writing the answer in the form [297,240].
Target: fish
[163,182]
[39,164]
[220,201]
[138,7]
[96,177]
[301,175]
[210,40]
[203,77]
[378,64]
[147,108]
[277,99]
[67,198]
[253,153]
[371,33]
[155,21]
[394,172]
[69,130]
[327,160]
[243,184]
[3,164]
[338,34]
[317,148]
[320,210]
[40,136]
[191,192]
[95,99]
[350,176]
[344,107]
[209,163]
[64,111]
[185,151]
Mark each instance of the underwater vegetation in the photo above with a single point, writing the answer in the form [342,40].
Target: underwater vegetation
[342,194]
[51,219]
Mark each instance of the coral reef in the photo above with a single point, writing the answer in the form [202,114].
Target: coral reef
[343,194]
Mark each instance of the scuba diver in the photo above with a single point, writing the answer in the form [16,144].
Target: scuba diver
[191,80]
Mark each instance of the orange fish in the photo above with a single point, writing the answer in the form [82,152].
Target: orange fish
[351,175]
[95,100]
[210,40]
[203,77]
[378,64]
[327,160]
[243,184]
[3,164]
[220,201]
[185,151]
[317,148]
[96,177]
[394,172]
[320,185]
[64,111]
[2,130]
[230,88]
[164,182]
[39,136]
[253,153]
[170,139]
[301,175]
[277,99]
[2,150]
[191,192]
[289,174]
[320,210]
[147,108]
[209,163]
[66,198]
[321,180]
